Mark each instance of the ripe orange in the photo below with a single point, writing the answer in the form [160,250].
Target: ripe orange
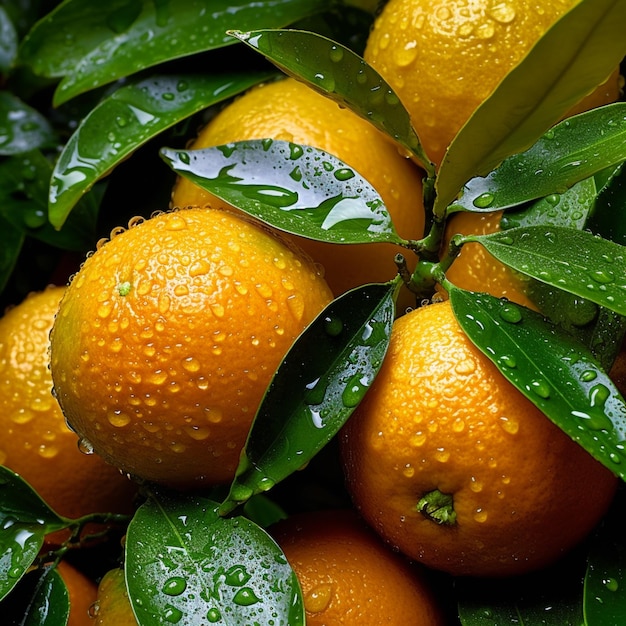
[112,607]
[82,591]
[445,57]
[456,468]
[348,576]
[168,336]
[291,111]
[36,442]
[477,270]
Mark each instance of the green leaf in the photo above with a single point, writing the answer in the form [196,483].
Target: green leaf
[91,44]
[130,117]
[24,521]
[572,260]
[24,187]
[297,189]
[579,52]
[186,565]
[553,370]
[605,581]
[11,242]
[8,42]
[316,388]
[40,599]
[571,151]
[550,597]
[334,70]
[22,128]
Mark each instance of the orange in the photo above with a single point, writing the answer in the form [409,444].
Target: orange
[445,57]
[168,336]
[476,269]
[291,111]
[348,576]
[456,468]
[36,443]
[113,608]
[82,592]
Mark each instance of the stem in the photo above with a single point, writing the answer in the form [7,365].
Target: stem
[438,507]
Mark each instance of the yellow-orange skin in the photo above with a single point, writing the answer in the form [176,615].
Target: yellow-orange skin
[113,606]
[440,416]
[289,110]
[168,336]
[36,442]
[445,57]
[349,577]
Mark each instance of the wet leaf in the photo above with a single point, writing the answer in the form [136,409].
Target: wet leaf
[553,370]
[605,581]
[316,388]
[24,186]
[131,116]
[551,597]
[334,70]
[8,42]
[22,128]
[187,565]
[571,151]
[24,521]
[40,599]
[91,44]
[572,260]
[297,189]
[579,52]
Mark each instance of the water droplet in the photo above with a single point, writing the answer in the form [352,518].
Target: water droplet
[503,13]
[295,151]
[598,395]
[611,584]
[540,388]
[318,598]
[172,614]
[333,325]
[597,421]
[484,200]
[480,516]
[174,586]
[85,446]
[237,576]
[336,54]
[344,173]
[355,390]
[213,615]
[118,418]
[245,597]
[510,312]
[508,361]
[510,426]
[603,277]
[241,493]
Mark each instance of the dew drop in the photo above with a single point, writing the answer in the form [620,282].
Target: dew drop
[172,614]
[213,615]
[588,375]
[333,325]
[540,388]
[480,516]
[598,395]
[511,313]
[344,173]
[237,576]
[484,200]
[85,446]
[318,598]
[245,597]
[355,390]
[336,54]
[611,584]
[174,586]
[118,418]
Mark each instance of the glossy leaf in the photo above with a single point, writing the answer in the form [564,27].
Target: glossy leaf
[40,599]
[605,581]
[572,260]
[22,128]
[11,242]
[316,388]
[24,521]
[298,189]
[8,42]
[577,53]
[127,119]
[550,597]
[91,44]
[568,153]
[334,70]
[186,565]
[553,370]
[24,186]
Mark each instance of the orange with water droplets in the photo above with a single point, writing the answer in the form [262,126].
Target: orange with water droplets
[455,467]
[349,577]
[445,57]
[291,111]
[112,607]
[168,336]
[36,442]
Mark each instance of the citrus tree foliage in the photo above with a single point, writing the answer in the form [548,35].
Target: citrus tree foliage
[96,103]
